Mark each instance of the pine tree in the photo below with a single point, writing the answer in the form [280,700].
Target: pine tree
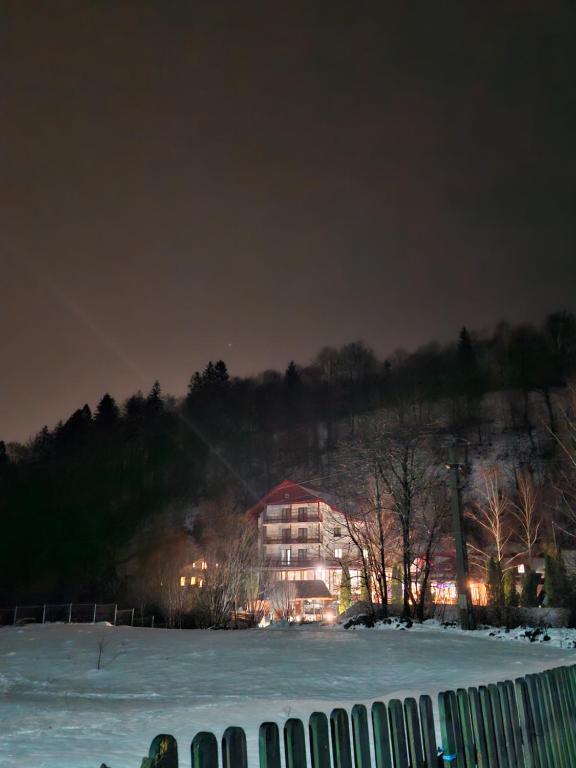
[555,580]
[345,597]
[511,596]
[154,403]
[494,583]
[291,376]
[529,589]
[107,411]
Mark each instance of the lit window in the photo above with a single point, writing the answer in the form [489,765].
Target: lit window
[364,553]
[182,581]
[193,565]
[200,583]
[338,553]
[193,580]
[337,532]
[521,568]
[204,565]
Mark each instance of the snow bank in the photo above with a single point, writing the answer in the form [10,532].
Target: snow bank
[57,710]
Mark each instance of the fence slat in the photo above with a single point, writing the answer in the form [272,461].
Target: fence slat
[163,752]
[319,740]
[507,726]
[234,753]
[482,758]
[452,743]
[268,746]
[381,735]
[397,733]
[555,714]
[360,736]
[294,743]
[527,726]
[204,750]
[428,730]
[488,720]
[340,730]
[515,721]
[413,734]
[498,726]
[567,707]
[469,745]
[547,754]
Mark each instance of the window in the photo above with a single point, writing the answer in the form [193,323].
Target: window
[285,514]
[301,555]
[364,553]
[204,565]
[200,583]
[337,532]
[302,534]
[302,514]
[338,553]
[193,580]
[285,556]
[285,534]
[182,581]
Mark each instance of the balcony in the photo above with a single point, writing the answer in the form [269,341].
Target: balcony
[294,539]
[293,517]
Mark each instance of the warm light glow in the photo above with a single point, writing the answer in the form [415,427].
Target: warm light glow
[193,580]
[329,616]
[521,568]
[182,581]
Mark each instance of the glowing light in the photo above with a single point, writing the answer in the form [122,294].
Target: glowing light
[521,568]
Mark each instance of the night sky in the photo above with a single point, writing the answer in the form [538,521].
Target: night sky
[185,181]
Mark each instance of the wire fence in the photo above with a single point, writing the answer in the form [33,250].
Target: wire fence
[73,613]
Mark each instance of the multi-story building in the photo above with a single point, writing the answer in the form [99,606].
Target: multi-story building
[303,536]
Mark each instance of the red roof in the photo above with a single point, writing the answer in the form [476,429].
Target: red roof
[289,492]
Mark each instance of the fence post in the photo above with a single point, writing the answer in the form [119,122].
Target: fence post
[44,614]
[15,614]
[94,616]
[70,613]
[152,622]
[132,618]
[115,612]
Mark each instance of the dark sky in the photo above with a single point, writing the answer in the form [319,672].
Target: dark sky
[184,181]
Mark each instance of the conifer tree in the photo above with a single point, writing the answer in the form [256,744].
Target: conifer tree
[494,583]
[511,596]
[107,411]
[345,597]
[529,589]
[555,580]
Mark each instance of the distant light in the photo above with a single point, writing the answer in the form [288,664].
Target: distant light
[521,568]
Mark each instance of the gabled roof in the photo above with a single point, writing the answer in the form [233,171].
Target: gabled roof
[288,492]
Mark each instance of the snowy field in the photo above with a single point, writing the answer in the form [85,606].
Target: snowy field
[57,710]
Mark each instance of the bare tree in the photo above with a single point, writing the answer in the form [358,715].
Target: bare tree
[408,474]
[281,596]
[525,511]
[492,513]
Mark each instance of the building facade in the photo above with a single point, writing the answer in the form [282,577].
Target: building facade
[302,536]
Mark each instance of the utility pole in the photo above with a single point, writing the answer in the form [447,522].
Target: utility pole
[464,598]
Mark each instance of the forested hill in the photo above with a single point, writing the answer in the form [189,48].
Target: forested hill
[72,499]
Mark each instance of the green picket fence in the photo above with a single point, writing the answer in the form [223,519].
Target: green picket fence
[528,723]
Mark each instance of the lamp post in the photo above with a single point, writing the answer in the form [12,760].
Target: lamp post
[465,610]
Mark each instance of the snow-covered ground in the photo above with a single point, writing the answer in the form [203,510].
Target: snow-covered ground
[57,710]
